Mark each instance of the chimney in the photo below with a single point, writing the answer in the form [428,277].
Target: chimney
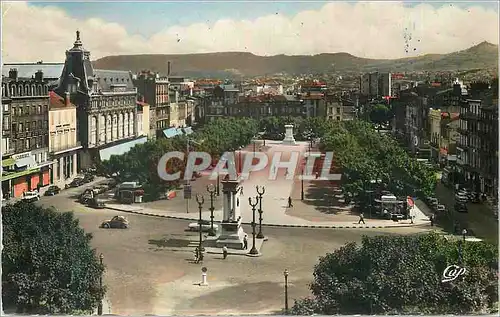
[67,100]
[39,75]
[168,68]
[13,73]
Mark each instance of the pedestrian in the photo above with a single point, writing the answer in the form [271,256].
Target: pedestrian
[245,242]
[241,190]
[361,218]
[432,220]
[224,252]
[290,205]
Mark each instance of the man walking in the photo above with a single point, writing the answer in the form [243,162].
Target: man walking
[290,205]
[361,218]
[245,242]
[224,252]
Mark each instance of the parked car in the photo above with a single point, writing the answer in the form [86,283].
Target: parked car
[99,189]
[30,196]
[119,222]
[76,182]
[205,226]
[87,178]
[440,208]
[460,207]
[52,190]
[461,197]
[96,203]
[432,201]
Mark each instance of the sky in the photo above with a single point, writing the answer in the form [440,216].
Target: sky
[33,31]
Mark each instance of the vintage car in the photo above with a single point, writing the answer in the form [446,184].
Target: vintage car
[119,222]
[205,226]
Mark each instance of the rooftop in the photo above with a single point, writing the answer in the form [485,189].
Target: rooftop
[28,70]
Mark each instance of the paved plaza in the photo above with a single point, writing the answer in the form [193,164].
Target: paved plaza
[320,207]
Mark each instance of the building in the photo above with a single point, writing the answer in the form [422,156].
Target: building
[262,106]
[63,142]
[155,90]
[477,148]
[443,135]
[217,102]
[375,85]
[340,108]
[25,149]
[143,119]
[106,106]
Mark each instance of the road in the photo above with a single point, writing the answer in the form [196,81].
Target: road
[149,270]
[479,219]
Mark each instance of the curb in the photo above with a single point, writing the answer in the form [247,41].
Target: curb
[279,225]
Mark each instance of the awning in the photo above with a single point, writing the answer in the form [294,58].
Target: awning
[120,149]
[172,132]
[26,161]
[8,162]
[7,176]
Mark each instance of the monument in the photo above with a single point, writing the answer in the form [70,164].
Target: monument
[232,233]
[289,139]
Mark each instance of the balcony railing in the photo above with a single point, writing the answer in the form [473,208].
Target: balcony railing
[65,148]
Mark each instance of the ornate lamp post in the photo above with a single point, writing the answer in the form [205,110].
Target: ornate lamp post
[285,274]
[253,205]
[212,192]
[200,200]
[99,307]
[464,234]
[260,190]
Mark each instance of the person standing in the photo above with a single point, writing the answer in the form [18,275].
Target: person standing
[290,205]
[361,218]
[245,242]
[224,252]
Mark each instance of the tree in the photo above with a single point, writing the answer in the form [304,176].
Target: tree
[402,275]
[48,264]
[380,114]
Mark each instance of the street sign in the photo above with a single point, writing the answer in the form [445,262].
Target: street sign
[187,191]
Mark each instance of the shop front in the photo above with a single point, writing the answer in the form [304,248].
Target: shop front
[20,173]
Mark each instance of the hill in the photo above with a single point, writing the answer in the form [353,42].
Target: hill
[481,56]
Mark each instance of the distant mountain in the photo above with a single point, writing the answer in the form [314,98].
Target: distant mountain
[231,64]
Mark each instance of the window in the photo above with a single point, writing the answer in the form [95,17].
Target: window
[338,109]
[33,109]
[28,143]
[20,111]
[45,124]
[6,123]
[33,125]
[40,124]
[45,108]
[14,127]
[20,127]
[39,141]
[39,109]
[338,118]
[27,126]
[6,107]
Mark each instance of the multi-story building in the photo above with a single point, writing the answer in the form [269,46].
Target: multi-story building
[477,148]
[106,102]
[143,119]
[375,85]
[443,134]
[267,105]
[217,102]
[155,90]
[25,149]
[339,108]
[63,142]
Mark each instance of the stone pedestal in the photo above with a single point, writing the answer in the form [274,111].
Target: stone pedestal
[289,139]
[231,233]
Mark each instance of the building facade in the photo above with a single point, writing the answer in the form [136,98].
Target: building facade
[63,142]
[375,85]
[106,103]
[154,88]
[25,149]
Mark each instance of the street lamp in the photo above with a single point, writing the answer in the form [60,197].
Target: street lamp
[200,200]
[464,234]
[302,185]
[211,191]
[285,274]
[253,205]
[261,192]
[99,306]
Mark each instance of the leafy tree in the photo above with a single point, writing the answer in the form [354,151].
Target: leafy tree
[402,275]
[380,114]
[48,264]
